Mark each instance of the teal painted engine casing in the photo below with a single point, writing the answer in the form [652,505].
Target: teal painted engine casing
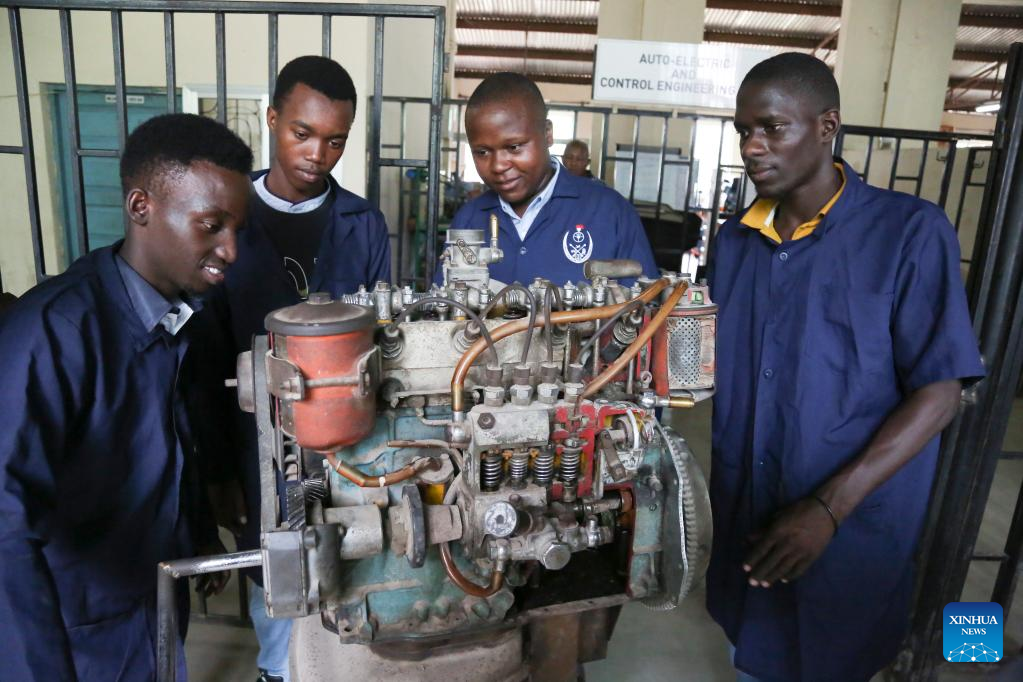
[489,495]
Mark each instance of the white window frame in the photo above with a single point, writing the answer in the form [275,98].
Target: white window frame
[191,94]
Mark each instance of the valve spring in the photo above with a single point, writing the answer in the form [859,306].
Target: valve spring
[569,472]
[492,471]
[518,467]
[543,467]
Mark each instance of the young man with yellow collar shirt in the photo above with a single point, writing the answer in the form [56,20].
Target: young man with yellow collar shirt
[843,341]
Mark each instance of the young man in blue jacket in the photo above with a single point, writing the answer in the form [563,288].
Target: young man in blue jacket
[305,233]
[97,468]
[551,221]
[843,341]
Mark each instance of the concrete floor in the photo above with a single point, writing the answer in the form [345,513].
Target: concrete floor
[675,646]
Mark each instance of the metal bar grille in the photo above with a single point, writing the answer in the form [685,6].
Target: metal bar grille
[170,62]
[78,188]
[326,35]
[433,184]
[373,187]
[27,144]
[221,68]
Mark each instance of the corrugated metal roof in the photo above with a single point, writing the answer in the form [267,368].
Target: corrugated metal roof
[807,27]
[517,39]
[516,64]
[979,37]
[548,9]
[962,69]
[767,22]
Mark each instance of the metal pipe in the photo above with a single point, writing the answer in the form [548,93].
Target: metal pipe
[463,583]
[433,443]
[167,573]
[603,329]
[503,293]
[364,480]
[515,326]
[641,340]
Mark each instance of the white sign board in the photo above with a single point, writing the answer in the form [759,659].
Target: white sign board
[675,74]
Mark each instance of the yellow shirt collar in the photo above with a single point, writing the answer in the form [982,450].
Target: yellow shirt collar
[760,215]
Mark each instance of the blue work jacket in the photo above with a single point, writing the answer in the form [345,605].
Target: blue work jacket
[355,250]
[97,478]
[819,340]
[583,220]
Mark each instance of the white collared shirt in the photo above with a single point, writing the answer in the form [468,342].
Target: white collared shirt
[283,205]
[523,224]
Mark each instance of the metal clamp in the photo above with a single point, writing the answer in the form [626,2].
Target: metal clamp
[286,382]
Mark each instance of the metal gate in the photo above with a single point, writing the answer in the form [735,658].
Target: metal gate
[169,9]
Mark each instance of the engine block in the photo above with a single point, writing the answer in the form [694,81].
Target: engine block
[457,460]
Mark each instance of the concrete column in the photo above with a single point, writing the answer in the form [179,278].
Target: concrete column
[865,44]
[894,57]
[671,21]
[921,61]
[676,21]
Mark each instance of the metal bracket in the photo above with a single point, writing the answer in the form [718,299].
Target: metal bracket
[369,371]
[284,379]
[607,447]
[285,575]
[287,383]
[467,254]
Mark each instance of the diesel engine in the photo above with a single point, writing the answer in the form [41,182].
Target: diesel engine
[479,467]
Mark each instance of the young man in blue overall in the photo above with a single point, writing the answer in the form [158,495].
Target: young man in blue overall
[97,467]
[305,233]
[551,221]
[843,341]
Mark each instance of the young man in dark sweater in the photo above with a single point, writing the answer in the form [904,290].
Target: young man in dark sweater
[305,234]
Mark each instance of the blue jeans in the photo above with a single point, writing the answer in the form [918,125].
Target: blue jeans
[273,635]
[740,676]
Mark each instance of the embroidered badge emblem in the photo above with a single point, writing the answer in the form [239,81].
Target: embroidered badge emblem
[577,244]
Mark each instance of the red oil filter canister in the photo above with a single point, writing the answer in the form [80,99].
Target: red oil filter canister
[324,368]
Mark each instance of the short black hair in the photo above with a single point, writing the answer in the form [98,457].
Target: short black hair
[505,87]
[323,75]
[580,144]
[801,73]
[168,144]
